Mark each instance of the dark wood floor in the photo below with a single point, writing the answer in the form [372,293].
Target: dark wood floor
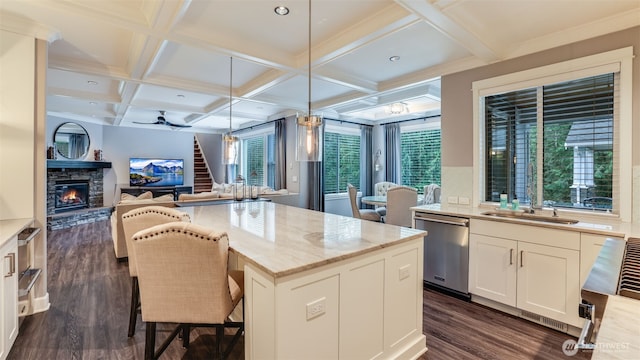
[89,293]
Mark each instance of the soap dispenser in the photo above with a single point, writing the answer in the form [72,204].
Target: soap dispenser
[515,203]
[503,200]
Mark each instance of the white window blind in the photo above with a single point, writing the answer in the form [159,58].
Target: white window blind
[341,162]
[420,158]
[254,167]
[574,120]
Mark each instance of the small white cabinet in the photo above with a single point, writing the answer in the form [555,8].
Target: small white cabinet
[530,268]
[8,296]
[548,281]
[492,268]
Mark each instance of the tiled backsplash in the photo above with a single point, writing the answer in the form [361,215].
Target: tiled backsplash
[457,185]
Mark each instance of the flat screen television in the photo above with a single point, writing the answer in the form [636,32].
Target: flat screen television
[156,172]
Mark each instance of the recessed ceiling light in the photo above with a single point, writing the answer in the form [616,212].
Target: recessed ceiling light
[93,103]
[91,82]
[281,10]
[394,58]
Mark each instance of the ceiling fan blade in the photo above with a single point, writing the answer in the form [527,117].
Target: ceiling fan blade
[146,123]
[177,125]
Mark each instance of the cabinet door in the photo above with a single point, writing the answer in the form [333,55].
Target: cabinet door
[8,296]
[492,268]
[548,282]
[590,245]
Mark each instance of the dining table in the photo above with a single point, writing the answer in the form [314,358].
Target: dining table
[381,200]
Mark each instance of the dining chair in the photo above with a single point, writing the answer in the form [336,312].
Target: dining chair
[380,189]
[431,194]
[365,214]
[132,222]
[184,279]
[399,201]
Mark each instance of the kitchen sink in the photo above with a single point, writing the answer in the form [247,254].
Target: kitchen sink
[525,216]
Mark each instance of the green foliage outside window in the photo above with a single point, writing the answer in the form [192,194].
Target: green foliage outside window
[341,162]
[420,156]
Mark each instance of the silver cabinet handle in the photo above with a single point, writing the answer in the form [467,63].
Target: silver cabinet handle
[521,255]
[12,264]
[510,256]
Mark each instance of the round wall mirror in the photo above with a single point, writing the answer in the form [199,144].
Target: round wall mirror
[71,140]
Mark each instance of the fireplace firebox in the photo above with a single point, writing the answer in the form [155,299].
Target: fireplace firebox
[71,195]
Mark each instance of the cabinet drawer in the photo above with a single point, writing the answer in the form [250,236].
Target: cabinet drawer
[532,234]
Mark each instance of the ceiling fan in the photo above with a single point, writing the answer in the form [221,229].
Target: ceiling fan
[162,121]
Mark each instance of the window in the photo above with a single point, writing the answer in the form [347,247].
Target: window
[341,161]
[558,135]
[420,157]
[258,160]
[576,119]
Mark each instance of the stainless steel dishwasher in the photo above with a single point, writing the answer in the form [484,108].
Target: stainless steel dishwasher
[446,252]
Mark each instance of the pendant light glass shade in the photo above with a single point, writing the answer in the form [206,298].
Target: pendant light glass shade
[309,134]
[229,149]
[309,138]
[230,142]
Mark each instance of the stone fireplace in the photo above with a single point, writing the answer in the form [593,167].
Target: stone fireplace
[71,195]
[75,193]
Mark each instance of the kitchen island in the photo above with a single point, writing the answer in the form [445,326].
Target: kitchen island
[323,286]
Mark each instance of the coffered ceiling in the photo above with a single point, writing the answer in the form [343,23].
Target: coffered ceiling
[118,62]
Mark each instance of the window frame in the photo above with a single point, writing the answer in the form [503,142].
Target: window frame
[616,61]
[341,130]
[261,133]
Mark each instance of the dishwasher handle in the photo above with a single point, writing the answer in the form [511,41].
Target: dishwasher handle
[449,220]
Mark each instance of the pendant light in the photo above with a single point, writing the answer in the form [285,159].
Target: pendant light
[309,126]
[229,141]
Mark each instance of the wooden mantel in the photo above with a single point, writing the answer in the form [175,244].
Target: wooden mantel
[72,164]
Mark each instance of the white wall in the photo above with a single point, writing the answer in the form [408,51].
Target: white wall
[120,143]
[17,125]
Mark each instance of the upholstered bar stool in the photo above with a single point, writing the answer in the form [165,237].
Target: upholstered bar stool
[184,278]
[132,222]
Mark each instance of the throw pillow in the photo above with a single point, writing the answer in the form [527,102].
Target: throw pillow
[164,198]
[144,196]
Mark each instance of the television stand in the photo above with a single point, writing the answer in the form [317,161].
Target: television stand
[158,190]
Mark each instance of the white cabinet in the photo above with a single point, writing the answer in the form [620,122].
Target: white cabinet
[531,268]
[8,296]
[548,282]
[492,269]
[367,307]
[590,245]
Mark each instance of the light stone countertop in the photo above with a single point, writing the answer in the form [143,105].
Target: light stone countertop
[283,240]
[619,334]
[601,224]
[10,228]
